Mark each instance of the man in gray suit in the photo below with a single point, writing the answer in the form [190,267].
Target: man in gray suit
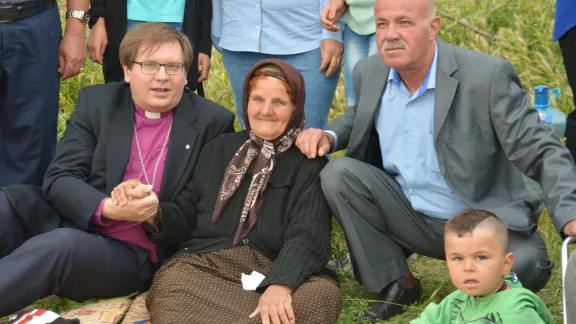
[436,129]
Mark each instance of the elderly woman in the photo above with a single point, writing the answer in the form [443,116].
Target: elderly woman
[254,204]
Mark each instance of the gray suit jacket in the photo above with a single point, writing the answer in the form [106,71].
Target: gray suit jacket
[485,133]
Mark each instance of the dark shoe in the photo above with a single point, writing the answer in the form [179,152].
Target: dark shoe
[392,300]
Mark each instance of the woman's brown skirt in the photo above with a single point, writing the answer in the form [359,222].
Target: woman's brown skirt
[206,288]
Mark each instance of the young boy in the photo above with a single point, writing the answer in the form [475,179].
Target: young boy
[476,247]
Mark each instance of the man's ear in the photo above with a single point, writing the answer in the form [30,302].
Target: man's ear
[434,27]
[127,73]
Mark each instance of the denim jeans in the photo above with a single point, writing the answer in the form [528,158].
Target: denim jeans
[356,47]
[319,88]
[131,24]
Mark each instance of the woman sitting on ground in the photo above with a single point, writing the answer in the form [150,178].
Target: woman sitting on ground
[254,204]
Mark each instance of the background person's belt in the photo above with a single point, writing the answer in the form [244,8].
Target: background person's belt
[10,12]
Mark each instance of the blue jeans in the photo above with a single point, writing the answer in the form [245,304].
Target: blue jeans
[319,88]
[131,24]
[356,47]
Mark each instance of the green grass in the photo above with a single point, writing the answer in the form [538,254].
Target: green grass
[523,29]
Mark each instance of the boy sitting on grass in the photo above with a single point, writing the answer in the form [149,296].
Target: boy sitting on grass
[476,247]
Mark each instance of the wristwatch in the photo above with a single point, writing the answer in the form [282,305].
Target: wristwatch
[81,15]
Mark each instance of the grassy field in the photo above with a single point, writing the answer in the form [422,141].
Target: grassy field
[523,30]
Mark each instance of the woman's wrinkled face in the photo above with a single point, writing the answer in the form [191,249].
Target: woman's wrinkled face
[270,108]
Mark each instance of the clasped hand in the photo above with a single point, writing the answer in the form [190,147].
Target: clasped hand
[131,201]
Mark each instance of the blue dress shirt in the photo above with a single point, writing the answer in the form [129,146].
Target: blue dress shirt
[405,126]
[270,27]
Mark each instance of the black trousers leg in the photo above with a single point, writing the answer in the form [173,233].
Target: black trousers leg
[71,264]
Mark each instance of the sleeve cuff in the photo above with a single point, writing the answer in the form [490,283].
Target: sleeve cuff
[97,11]
[154,230]
[276,280]
[97,216]
[335,144]
[337,36]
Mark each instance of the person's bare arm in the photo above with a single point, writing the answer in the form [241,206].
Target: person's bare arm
[72,50]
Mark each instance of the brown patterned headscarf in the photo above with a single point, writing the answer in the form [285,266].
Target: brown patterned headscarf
[258,154]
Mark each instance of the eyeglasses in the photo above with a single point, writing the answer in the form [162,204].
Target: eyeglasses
[152,68]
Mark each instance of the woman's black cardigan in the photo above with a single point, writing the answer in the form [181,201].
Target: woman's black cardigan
[294,223]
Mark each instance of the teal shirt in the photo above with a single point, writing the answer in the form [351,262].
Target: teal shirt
[157,11]
[360,16]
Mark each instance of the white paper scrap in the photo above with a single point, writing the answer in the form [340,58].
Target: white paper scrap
[252,281]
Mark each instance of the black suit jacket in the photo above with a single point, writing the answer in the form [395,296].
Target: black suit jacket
[196,25]
[93,154]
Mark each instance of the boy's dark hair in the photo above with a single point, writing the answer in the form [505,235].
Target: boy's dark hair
[467,221]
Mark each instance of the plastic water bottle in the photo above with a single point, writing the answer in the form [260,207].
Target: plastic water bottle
[550,116]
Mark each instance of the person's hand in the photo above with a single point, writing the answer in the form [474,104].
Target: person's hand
[97,41]
[570,228]
[137,210]
[120,194]
[332,12]
[72,49]
[203,67]
[139,191]
[275,306]
[71,55]
[331,55]
[314,141]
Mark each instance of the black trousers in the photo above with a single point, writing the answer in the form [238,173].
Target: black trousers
[380,226]
[66,262]
[568,48]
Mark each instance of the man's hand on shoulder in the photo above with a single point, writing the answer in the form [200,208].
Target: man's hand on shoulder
[314,141]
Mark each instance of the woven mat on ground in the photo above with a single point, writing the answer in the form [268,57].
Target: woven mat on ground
[138,314]
[108,311]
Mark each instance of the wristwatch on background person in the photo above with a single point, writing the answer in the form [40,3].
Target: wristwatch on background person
[81,15]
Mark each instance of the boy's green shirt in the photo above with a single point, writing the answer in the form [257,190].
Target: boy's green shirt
[515,305]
